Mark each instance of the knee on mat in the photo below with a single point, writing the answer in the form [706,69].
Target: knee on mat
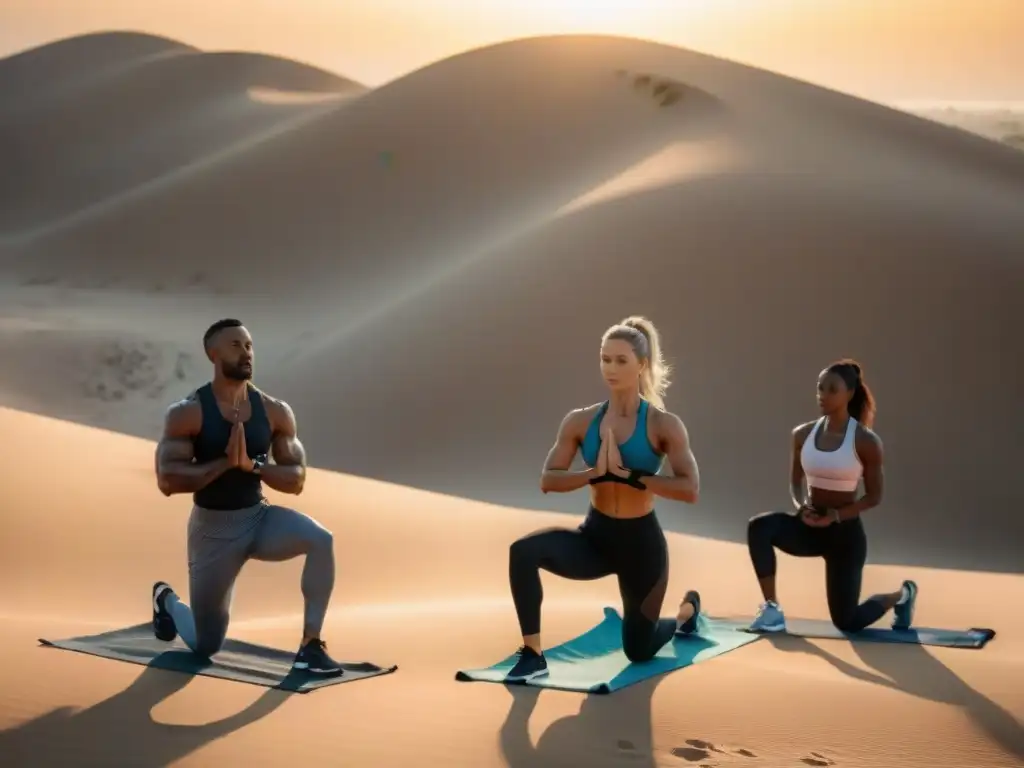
[636,641]
[844,621]
[636,651]
[206,647]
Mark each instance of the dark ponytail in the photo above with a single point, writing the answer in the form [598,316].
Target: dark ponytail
[862,404]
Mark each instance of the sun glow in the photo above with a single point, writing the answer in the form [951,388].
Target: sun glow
[610,16]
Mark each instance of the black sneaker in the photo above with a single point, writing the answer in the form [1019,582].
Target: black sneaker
[313,658]
[690,625]
[163,624]
[530,666]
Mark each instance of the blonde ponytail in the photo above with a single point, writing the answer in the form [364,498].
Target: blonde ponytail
[646,342]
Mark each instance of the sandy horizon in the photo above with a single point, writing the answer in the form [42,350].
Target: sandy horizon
[426,267]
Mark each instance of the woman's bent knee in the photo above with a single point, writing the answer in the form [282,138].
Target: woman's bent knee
[637,653]
[762,527]
[522,550]
[637,638]
[846,624]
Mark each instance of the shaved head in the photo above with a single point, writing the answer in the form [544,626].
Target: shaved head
[228,345]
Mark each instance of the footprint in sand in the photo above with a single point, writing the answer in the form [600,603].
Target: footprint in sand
[816,759]
[698,749]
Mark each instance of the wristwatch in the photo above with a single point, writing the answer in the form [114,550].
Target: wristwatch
[258,462]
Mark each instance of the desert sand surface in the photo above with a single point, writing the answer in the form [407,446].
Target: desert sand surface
[422,583]
[427,267]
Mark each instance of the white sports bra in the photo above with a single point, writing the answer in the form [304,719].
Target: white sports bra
[838,470]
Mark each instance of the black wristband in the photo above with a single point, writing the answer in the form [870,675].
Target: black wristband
[632,480]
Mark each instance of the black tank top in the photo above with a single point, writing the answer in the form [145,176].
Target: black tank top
[234,489]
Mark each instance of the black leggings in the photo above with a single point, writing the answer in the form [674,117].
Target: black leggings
[845,549]
[634,549]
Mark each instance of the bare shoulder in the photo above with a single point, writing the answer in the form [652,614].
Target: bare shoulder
[667,422]
[576,420]
[281,415]
[668,429]
[801,431]
[183,418]
[667,419]
[868,442]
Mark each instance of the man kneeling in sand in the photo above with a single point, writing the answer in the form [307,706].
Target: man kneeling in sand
[214,446]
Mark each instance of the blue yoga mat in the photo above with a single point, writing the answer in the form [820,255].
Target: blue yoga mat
[594,661]
[945,638]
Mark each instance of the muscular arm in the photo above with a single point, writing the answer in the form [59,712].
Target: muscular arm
[288,472]
[796,468]
[684,484]
[556,477]
[869,449]
[176,468]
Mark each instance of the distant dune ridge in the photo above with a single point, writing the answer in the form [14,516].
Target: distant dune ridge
[427,268]
[1002,122]
[76,141]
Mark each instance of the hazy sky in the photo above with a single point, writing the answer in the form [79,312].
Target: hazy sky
[881,49]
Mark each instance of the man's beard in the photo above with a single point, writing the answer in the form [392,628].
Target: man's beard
[236,371]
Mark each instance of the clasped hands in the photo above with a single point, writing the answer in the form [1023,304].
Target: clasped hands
[609,469]
[817,518]
[236,452]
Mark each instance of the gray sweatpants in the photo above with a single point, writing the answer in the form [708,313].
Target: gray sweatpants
[219,544]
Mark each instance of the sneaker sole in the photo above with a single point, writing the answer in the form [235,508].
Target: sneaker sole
[526,678]
[771,628]
[163,616]
[304,667]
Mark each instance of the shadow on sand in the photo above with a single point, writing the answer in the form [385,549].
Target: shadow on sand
[121,731]
[912,669]
[608,730]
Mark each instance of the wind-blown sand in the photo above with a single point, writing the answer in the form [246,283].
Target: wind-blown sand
[427,267]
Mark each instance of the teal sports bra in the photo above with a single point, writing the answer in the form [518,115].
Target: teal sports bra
[637,452]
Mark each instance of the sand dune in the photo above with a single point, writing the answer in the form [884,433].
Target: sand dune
[385,189]
[422,582]
[38,75]
[916,300]
[150,118]
[427,267]
[462,224]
